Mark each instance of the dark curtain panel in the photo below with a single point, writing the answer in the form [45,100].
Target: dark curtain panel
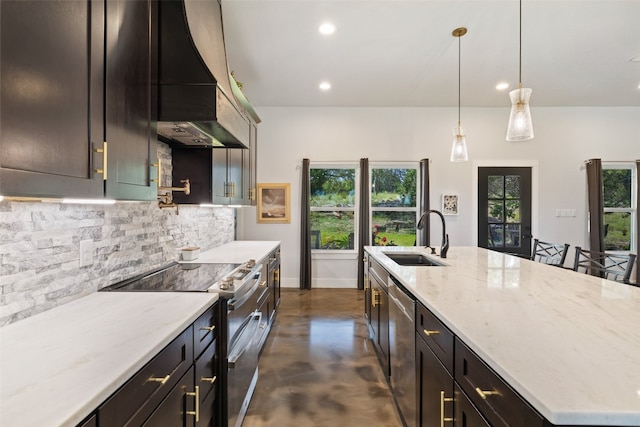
[364,229]
[424,200]
[638,221]
[305,229]
[596,205]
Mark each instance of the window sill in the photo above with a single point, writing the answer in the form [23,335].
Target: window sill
[329,254]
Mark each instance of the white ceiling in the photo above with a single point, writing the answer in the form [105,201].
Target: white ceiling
[400,53]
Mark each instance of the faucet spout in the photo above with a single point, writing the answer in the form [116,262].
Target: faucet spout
[445,237]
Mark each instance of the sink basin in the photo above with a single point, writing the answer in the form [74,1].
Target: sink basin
[413,260]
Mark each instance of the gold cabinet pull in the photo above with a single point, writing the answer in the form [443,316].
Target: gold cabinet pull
[276,275]
[208,328]
[442,400]
[263,284]
[374,298]
[195,394]
[252,193]
[158,170]
[428,332]
[162,380]
[102,150]
[209,380]
[484,393]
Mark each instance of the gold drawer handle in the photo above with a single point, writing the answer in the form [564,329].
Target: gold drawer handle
[195,394]
[209,380]
[442,400]
[429,333]
[162,381]
[208,328]
[484,393]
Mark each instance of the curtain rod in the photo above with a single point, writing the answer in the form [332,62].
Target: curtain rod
[358,160]
[588,162]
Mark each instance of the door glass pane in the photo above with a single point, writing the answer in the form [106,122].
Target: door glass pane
[512,187]
[617,188]
[496,211]
[512,235]
[393,187]
[617,231]
[512,208]
[332,230]
[332,187]
[496,187]
[393,228]
[496,233]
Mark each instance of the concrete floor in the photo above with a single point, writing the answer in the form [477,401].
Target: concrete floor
[318,367]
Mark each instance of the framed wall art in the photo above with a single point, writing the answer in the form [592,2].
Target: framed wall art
[274,203]
[450,204]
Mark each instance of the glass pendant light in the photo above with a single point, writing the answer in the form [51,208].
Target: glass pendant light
[520,126]
[459,148]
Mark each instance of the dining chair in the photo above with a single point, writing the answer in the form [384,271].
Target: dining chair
[607,265]
[549,253]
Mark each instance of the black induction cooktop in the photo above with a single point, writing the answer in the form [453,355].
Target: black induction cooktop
[176,277]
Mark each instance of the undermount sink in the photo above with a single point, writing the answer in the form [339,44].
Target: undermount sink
[413,260]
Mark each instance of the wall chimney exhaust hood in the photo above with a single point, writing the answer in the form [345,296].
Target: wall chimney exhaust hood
[196,102]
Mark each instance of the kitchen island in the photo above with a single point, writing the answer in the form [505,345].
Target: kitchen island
[568,343]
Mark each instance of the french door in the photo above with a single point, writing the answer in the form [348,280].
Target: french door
[504,209]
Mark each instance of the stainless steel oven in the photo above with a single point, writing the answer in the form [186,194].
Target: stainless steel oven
[238,286]
[243,348]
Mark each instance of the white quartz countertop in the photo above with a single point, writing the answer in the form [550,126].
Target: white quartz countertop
[567,342]
[237,251]
[58,366]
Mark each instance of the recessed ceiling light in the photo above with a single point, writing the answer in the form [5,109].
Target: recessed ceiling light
[325,86]
[502,86]
[327,28]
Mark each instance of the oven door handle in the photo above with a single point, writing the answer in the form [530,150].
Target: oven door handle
[245,339]
[236,303]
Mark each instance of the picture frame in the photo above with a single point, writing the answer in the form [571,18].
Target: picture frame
[274,203]
[449,204]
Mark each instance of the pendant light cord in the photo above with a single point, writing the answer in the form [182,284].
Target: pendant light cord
[459,74]
[520,50]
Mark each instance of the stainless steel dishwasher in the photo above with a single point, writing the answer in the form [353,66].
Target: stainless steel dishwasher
[402,309]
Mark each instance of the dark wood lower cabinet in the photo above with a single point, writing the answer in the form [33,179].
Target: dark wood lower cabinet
[434,388]
[178,387]
[178,409]
[466,414]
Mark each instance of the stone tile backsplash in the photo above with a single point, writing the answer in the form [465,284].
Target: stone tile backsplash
[40,263]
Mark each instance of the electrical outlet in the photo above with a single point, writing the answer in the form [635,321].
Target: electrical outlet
[86,253]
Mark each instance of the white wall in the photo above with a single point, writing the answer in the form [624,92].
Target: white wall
[565,137]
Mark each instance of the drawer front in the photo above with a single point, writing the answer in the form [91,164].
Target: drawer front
[436,335]
[178,408]
[379,272]
[467,415]
[204,330]
[139,396]
[207,379]
[495,399]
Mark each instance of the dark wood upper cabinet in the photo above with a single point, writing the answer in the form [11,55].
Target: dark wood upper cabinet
[131,101]
[68,83]
[51,103]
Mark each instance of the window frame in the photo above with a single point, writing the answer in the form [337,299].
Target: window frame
[394,165]
[336,253]
[634,202]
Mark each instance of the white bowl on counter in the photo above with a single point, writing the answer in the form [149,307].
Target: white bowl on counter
[190,253]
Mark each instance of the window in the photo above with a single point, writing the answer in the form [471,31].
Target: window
[394,211]
[620,204]
[333,207]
